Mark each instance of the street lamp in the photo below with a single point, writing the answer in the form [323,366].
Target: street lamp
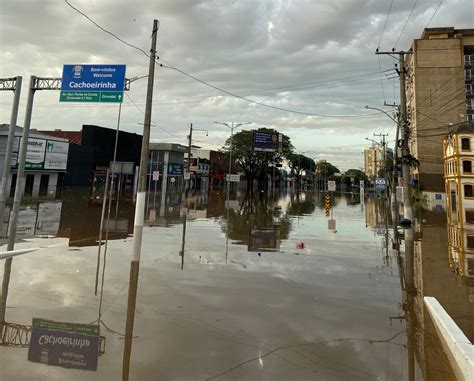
[377,109]
[231,127]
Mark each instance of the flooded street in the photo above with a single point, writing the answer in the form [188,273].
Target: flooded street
[264,289]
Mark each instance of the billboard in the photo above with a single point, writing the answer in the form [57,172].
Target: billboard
[265,141]
[42,154]
[56,155]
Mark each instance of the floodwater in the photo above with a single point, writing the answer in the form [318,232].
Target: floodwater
[268,288]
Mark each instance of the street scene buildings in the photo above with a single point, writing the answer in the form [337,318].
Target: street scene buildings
[245,191]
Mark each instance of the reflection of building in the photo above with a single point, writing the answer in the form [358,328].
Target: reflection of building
[439,71]
[200,167]
[167,156]
[373,161]
[458,150]
[46,161]
[433,277]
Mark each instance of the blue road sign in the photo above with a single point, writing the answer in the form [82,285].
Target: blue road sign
[92,83]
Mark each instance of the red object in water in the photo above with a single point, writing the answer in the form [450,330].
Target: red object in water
[300,245]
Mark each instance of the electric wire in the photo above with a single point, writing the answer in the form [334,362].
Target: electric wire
[434,13]
[386,22]
[406,22]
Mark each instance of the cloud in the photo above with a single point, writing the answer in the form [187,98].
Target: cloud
[315,57]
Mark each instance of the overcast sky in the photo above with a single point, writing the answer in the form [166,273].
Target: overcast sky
[314,56]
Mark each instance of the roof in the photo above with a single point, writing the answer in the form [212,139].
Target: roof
[450,31]
[167,147]
[74,137]
[33,133]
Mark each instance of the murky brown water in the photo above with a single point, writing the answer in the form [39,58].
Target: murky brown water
[267,291]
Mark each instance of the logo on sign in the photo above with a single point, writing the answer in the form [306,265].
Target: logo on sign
[77,71]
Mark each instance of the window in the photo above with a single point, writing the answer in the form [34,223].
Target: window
[470,216]
[466,144]
[468,191]
[470,241]
[467,166]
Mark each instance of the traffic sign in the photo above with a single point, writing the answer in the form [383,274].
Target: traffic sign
[232,178]
[93,83]
[331,186]
[156,175]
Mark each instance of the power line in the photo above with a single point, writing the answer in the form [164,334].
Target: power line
[434,13]
[386,21]
[260,103]
[107,31]
[406,22]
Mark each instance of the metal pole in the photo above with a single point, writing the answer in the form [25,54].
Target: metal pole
[8,152]
[139,212]
[17,200]
[189,155]
[101,228]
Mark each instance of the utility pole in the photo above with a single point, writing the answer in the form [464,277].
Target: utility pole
[190,138]
[16,87]
[139,211]
[405,133]
[17,199]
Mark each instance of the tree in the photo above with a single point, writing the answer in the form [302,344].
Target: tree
[299,162]
[326,169]
[255,165]
[356,175]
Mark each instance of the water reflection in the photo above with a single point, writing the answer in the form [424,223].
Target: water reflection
[338,297]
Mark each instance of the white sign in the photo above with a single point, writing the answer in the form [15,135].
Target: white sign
[379,181]
[172,179]
[232,178]
[36,149]
[156,175]
[361,183]
[331,186]
[232,204]
[49,216]
[187,176]
[56,155]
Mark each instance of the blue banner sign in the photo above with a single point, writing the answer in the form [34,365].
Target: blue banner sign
[175,169]
[67,345]
[92,83]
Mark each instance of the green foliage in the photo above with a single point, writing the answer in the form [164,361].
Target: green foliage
[299,162]
[326,169]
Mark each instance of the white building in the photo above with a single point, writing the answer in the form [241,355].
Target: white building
[458,150]
[46,159]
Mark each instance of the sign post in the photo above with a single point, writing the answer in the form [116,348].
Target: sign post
[93,83]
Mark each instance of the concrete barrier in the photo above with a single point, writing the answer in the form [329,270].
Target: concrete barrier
[458,349]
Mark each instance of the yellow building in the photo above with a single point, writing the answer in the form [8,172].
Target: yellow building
[439,96]
[458,148]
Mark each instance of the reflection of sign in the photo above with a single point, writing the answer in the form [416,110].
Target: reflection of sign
[379,183]
[67,345]
[156,175]
[56,155]
[264,240]
[92,83]
[331,186]
[175,169]
[49,215]
[331,224]
[399,194]
[265,141]
[232,178]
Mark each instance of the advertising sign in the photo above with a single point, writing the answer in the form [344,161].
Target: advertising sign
[265,141]
[264,240]
[92,83]
[67,345]
[175,169]
[36,149]
[56,155]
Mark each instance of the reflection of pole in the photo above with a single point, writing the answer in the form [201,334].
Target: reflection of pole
[410,292]
[139,212]
[183,237]
[17,200]
[101,228]
[9,147]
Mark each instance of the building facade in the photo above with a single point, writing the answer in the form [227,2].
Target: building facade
[168,160]
[373,161]
[439,96]
[46,162]
[458,150]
